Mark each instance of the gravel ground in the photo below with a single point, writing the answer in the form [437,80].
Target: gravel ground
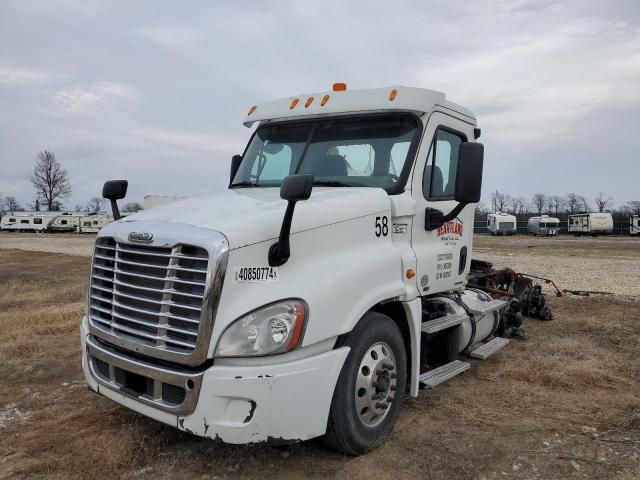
[67,243]
[608,264]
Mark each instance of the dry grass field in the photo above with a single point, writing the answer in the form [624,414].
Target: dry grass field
[564,404]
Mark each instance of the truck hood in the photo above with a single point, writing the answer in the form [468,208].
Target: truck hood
[252,215]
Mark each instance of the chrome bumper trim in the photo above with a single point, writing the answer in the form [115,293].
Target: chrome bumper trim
[190,382]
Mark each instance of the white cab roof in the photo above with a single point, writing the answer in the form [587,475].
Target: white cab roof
[406,99]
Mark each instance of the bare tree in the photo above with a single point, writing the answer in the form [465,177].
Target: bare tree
[518,206]
[539,200]
[35,206]
[499,201]
[1,203]
[555,203]
[575,203]
[50,180]
[603,202]
[95,204]
[132,207]
[11,204]
[583,204]
[634,207]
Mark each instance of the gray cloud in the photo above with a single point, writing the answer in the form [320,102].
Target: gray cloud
[155,91]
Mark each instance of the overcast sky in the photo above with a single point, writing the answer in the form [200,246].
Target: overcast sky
[155,91]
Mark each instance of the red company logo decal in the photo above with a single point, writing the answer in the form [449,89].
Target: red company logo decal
[453,227]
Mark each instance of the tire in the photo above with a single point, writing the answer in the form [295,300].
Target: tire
[358,422]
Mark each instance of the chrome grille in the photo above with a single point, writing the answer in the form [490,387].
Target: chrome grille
[151,295]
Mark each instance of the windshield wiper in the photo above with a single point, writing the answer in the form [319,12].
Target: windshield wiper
[331,183]
[242,184]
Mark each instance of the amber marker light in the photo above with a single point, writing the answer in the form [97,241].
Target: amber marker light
[251,110]
[324,100]
[298,327]
[411,273]
[393,94]
[339,87]
[308,102]
[294,102]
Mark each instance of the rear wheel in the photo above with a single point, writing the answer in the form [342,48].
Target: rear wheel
[366,401]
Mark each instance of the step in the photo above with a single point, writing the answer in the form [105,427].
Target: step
[478,307]
[441,374]
[442,323]
[489,348]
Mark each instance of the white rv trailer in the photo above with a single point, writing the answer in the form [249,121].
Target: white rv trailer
[66,222]
[543,225]
[590,223]
[207,314]
[93,222]
[501,224]
[634,225]
[27,221]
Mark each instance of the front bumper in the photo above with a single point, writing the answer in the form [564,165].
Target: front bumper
[237,404]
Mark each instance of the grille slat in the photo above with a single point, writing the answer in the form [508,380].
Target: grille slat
[149,300]
[148,294]
[137,321]
[155,254]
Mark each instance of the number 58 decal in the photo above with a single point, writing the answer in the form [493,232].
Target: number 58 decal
[382,226]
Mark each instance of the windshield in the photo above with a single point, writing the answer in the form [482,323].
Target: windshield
[369,151]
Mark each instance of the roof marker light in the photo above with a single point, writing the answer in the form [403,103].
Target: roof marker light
[393,94]
[324,100]
[308,102]
[251,110]
[294,102]
[339,87]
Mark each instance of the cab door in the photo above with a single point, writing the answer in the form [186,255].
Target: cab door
[443,254]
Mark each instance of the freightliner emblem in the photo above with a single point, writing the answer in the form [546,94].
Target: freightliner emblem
[141,237]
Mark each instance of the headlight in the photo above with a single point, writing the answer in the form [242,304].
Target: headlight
[275,328]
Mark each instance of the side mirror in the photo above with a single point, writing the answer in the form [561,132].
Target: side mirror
[468,187]
[293,189]
[236,160]
[296,187]
[115,190]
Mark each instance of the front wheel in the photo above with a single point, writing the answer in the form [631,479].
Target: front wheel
[366,401]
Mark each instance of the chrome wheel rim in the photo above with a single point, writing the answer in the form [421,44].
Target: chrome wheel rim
[375,384]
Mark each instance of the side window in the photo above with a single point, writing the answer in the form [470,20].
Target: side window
[37,221]
[63,222]
[439,178]
[24,221]
[12,220]
[274,163]
[86,224]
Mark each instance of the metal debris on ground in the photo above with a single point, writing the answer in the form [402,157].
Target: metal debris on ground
[585,293]
[525,296]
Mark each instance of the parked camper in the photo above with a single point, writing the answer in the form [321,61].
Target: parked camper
[501,224]
[66,222]
[590,224]
[543,225]
[27,221]
[93,222]
[634,225]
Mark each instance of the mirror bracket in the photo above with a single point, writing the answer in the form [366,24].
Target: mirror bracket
[434,219]
[294,188]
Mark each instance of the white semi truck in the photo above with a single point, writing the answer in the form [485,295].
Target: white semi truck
[327,282]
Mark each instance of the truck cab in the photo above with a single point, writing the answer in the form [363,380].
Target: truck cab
[305,300]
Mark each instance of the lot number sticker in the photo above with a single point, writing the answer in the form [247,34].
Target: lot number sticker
[256,274]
